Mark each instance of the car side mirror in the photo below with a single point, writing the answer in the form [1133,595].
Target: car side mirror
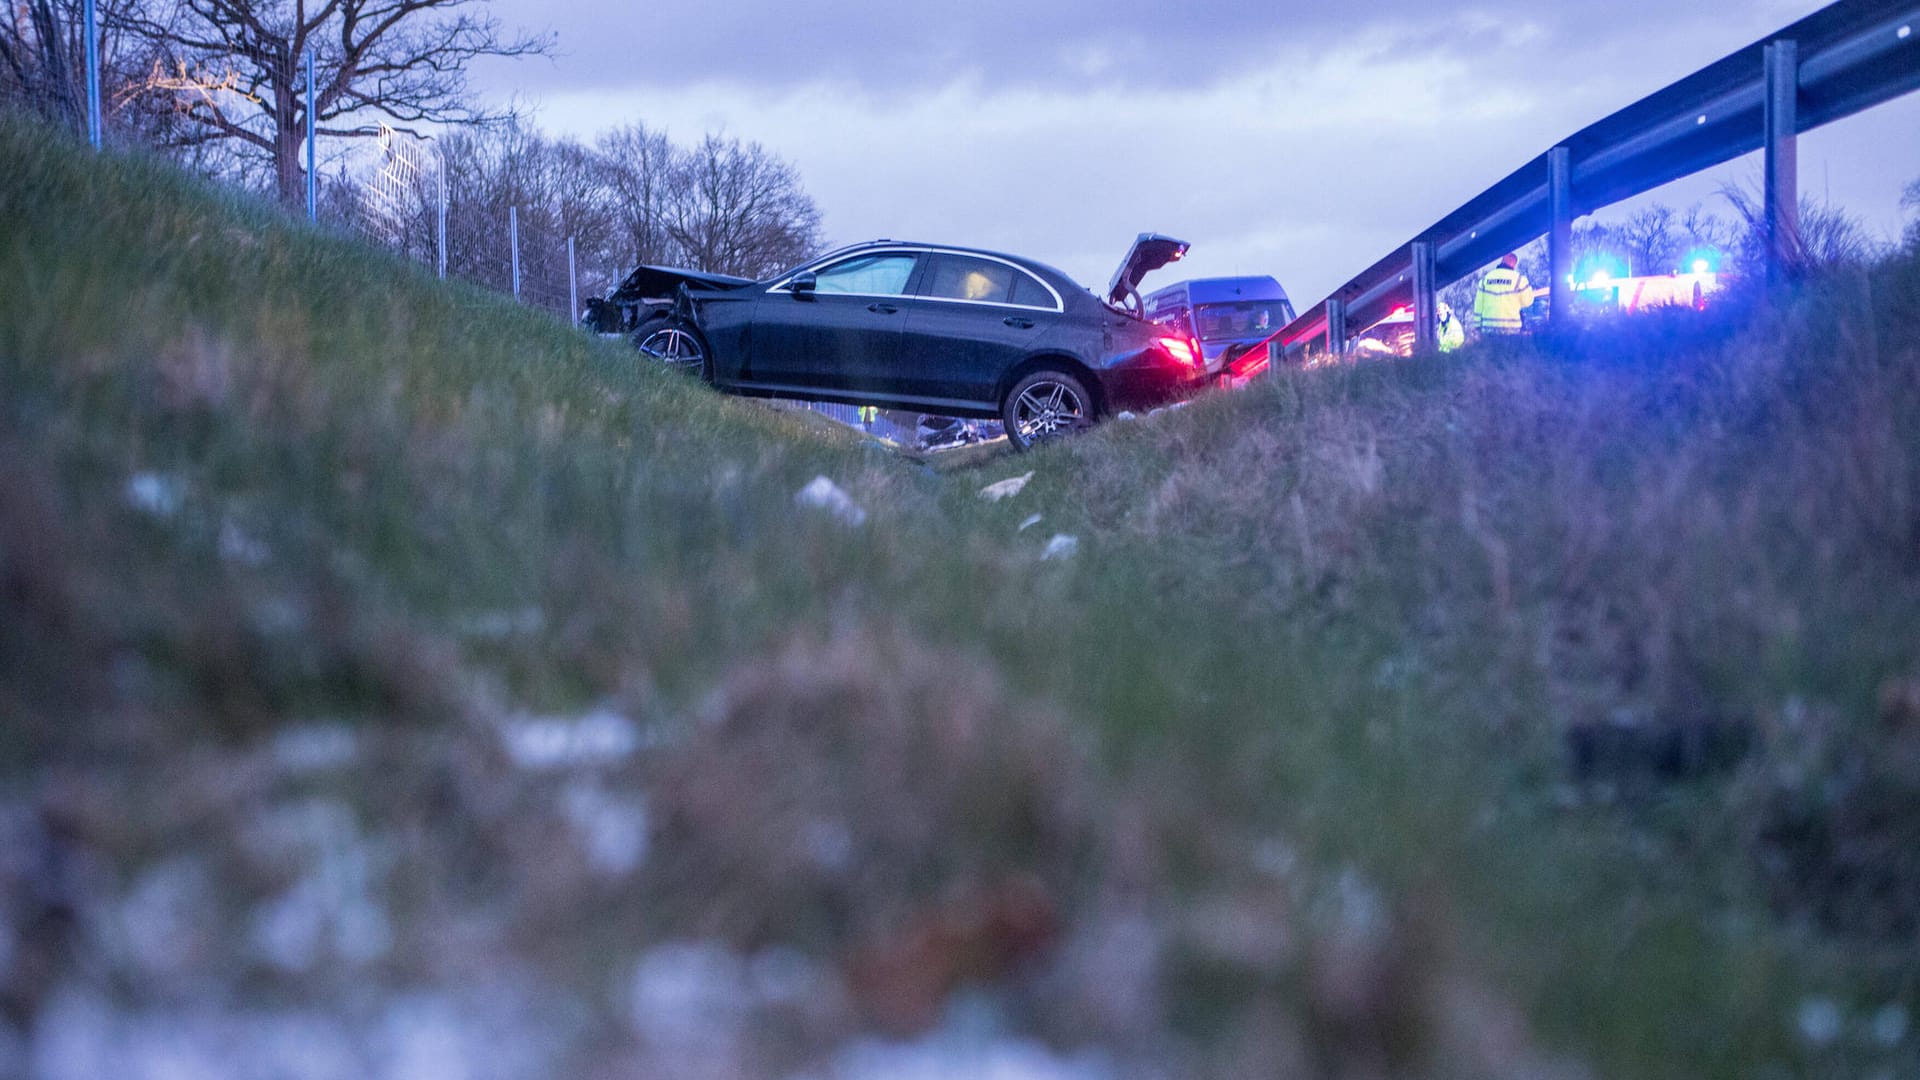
[802,286]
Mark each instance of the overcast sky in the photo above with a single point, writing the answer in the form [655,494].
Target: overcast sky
[1304,140]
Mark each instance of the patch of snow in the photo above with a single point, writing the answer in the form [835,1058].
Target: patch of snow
[690,1001]
[1359,907]
[332,911]
[239,546]
[500,625]
[1889,1025]
[784,976]
[602,737]
[1005,489]
[489,1032]
[162,923]
[312,748]
[612,828]
[829,845]
[1061,546]
[824,494]
[969,1045]
[152,493]
[1275,858]
[1818,1020]
[1029,523]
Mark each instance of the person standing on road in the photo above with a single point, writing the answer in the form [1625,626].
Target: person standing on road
[1504,293]
[1452,335]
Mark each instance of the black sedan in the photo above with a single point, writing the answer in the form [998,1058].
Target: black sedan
[934,329]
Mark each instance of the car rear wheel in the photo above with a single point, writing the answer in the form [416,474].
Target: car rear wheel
[674,343]
[1046,405]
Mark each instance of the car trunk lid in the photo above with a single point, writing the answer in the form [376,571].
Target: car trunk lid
[1150,252]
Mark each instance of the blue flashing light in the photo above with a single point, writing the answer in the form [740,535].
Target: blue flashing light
[1599,270]
[1702,260]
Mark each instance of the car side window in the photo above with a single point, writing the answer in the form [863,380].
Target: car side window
[1028,292]
[957,277]
[880,274]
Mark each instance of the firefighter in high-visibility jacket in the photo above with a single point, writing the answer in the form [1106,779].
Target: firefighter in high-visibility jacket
[1452,335]
[1504,293]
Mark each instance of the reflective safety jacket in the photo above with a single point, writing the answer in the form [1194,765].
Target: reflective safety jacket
[1503,295]
[1452,335]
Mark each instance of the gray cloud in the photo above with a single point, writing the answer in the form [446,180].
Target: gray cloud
[1025,43]
[1305,141]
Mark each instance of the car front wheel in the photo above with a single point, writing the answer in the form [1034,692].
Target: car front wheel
[1046,405]
[674,343]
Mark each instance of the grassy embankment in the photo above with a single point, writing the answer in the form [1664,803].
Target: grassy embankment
[1538,711]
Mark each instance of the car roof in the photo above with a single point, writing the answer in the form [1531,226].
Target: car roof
[1224,289]
[1058,277]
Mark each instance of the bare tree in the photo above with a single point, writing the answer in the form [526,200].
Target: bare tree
[43,64]
[639,169]
[1648,240]
[1827,235]
[1910,202]
[39,47]
[736,209]
[234,68]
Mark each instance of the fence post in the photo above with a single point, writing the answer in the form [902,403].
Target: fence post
[94,130]
[1425,317]
[440,162]
[1782,198]
[513,236]
[1560,235]
[1336,327]
[573,284]
[313,157]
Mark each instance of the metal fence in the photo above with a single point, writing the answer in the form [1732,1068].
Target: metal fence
[1845,58]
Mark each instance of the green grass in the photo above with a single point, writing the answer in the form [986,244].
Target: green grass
[1300,706]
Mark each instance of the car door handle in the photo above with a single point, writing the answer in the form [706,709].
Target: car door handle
[1018,323]
[882,309]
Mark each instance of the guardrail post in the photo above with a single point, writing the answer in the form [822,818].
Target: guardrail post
[313,149]
[1425,318]
[513,238]
[1336,327]
[95,135]
[1560,234]
[1782,197]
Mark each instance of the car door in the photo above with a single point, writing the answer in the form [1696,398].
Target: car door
[848,324]
[972,319]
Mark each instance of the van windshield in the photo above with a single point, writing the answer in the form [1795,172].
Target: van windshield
[1240,319]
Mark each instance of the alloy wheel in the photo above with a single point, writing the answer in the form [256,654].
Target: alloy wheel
[1048,409]
[673,347]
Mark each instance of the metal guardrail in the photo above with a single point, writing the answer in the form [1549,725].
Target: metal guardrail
[1847,57]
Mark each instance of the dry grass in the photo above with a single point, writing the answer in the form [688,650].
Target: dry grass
[381,659]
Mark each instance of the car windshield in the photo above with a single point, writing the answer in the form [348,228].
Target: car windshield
[1241,319]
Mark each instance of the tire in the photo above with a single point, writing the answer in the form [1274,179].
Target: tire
[674,343]
[1045,405]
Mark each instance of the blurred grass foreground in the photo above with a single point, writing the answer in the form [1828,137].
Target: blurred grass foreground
[395,683]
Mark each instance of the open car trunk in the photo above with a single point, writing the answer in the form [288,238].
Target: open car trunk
[1150,252]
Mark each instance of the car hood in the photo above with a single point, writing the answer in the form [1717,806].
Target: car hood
[1150,252]
[661,282]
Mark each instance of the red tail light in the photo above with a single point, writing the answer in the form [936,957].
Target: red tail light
[1181,350]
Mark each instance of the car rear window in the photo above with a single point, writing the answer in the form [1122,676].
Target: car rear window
[1028,292]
